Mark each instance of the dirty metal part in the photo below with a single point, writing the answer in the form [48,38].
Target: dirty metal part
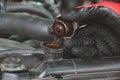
[83,67]
[12,63]
[21,52]
[64,28]
[16,75]
[97,76]
[51,51]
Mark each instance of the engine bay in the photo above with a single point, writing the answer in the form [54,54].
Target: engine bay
[37,44]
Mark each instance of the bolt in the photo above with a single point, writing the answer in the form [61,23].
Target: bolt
[12,61]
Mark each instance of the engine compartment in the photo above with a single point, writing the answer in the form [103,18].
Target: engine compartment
[31,50]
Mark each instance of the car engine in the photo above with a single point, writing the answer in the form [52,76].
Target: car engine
[36,44]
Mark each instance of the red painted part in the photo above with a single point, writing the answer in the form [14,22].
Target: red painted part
[112,5]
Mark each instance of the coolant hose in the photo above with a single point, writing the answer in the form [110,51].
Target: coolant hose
[26,26]
[29,8]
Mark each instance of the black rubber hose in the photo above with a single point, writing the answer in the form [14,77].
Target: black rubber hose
[26,26]
[29,8]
